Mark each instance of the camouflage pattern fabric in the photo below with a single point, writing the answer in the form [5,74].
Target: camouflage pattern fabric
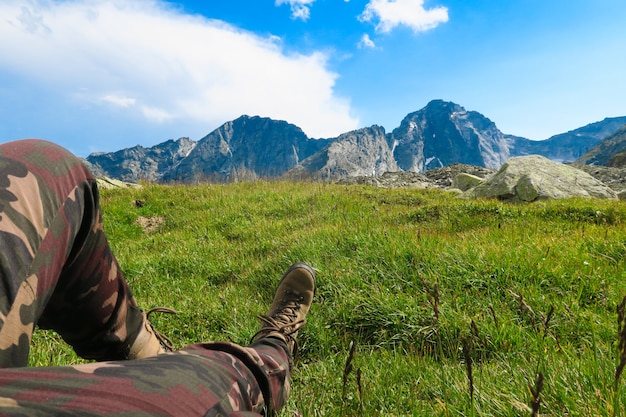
[57,271]
[210,379]
[56,266]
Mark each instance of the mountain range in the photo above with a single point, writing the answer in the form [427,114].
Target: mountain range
[611,151]
[440,134]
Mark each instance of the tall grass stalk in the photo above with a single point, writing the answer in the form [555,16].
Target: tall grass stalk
[535,390]
[621,333]
[467,357]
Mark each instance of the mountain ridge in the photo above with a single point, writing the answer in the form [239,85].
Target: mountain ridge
[571,145]
[609,152]
[252,147]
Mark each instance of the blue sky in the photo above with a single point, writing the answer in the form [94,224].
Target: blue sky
[96,75]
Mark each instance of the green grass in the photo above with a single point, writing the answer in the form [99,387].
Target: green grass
[406,275]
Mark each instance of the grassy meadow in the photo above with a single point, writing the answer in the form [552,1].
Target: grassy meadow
[426,304]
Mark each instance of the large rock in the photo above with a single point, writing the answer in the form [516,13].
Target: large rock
[615,178]
[533,177]
[465,181]
[106,183]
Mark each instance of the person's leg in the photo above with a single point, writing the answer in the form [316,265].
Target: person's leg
[201,380]
[206,379]
[56,268]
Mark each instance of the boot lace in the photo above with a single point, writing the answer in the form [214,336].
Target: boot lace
[285,319]
[165,341]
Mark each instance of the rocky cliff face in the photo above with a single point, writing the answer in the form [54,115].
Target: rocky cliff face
[139,163]
[363,152]
[609,152]
[444,133]
[618,160]
[244,149]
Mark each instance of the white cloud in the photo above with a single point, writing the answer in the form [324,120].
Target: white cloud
[118,100]
[155,114]
[366,42]
[411,13]
[151,59]
[300,9]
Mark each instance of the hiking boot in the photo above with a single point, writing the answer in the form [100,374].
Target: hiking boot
[150,342]
[291,304]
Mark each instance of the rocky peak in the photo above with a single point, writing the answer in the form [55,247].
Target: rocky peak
[139,163]
[362,152]
[246,148]
[443,133]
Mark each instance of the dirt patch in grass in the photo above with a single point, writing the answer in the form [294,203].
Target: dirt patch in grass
[150,223]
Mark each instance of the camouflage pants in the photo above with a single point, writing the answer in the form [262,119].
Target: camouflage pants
[57,271]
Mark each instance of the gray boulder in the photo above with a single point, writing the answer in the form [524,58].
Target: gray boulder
[106,183]
[464,181]
[533,177]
